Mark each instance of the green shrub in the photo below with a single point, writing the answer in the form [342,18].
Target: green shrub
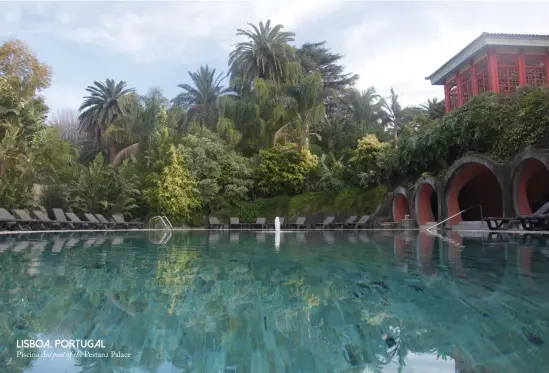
[283,169]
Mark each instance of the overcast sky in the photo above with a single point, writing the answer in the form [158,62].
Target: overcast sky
[155,44]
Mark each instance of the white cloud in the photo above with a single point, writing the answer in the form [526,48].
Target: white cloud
[60,97]
[176,30]
[388,53]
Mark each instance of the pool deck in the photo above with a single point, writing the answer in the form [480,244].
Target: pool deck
[271,230]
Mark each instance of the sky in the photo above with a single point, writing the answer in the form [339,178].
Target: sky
[156,43]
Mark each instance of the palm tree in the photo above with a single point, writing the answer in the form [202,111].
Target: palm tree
[256,114]
[435,108]
[265,55]
[306,109]
[200,98]
[365,109]
[392,115]
[144,115]
[101,108]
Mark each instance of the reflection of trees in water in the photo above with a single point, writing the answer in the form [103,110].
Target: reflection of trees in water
[325,310]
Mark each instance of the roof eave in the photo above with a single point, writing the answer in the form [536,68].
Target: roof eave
[439,76]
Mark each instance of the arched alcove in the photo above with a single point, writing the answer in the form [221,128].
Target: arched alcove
[472,181]
[426,202]
[400,204]
[530,186]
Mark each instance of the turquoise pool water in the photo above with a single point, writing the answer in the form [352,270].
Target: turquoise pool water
[249,303]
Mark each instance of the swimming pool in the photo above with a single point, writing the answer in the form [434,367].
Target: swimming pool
[322,301]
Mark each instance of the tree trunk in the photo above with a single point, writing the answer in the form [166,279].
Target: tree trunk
[112,151]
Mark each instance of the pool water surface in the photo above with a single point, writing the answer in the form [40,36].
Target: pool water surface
[251,302]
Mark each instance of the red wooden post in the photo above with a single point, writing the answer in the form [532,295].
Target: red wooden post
[493,71]
[521,67]
[474,78]
[547,67]
[459,82]
[446,97]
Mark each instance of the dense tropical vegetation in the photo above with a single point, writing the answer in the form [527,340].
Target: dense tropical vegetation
[287,132]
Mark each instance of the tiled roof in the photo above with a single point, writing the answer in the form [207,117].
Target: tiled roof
[480,42]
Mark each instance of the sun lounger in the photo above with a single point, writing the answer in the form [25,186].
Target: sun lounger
[534,222]
[495,224]
[260,223]
[119,219]
[327,223]
[52,224]
[299,223]
[235,223]
[350,222]
[62,219]
[9,222]
[106,222]
[362,222]
[92,220]
[24,216]
[214,223]
[76,220]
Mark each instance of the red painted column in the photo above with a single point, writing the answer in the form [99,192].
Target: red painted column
[521,67]
[474,79]
[460,89]
[446,97]
[547,67]
[493,71]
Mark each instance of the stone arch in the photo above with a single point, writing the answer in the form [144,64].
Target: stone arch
[401,205]
[426,201]
[474,180]
[530,181]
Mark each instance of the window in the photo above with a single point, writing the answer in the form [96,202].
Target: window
[536,73]
[508,73]
[466,86]
[483,80]
[453,94]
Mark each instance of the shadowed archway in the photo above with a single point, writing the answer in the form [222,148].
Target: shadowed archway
[530,181]
[400,204]
[426,202]
[472,182]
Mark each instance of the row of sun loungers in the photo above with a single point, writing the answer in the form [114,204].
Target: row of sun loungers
[538,221]
[61,220]
[299,223]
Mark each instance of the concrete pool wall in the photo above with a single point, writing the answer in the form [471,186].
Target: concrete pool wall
[475,182]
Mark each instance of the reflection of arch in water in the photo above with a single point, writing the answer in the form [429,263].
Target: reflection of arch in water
[475,180]
[399,249]
[427,201]
[425,250]
[401,206]
[454,247]
[530,181]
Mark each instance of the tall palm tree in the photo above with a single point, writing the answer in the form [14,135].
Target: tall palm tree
[101,108]
[265,55]
[200,98]
[144,115]
[435,108]
[365,109]
[306,109]
[256,114]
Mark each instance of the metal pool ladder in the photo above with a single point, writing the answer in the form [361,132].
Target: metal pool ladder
[163,219]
